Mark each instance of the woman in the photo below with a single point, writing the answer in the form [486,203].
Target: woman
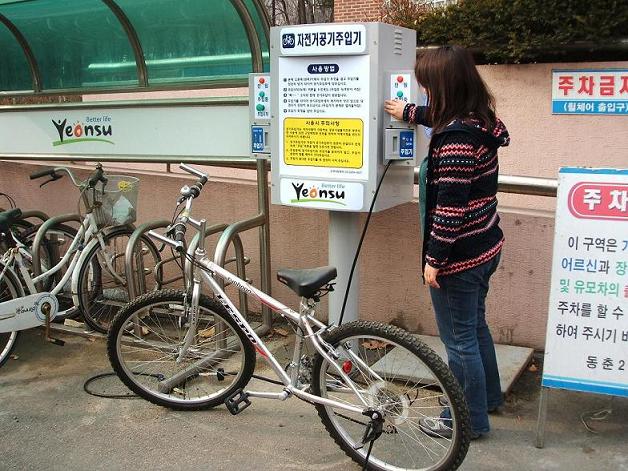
[462,239]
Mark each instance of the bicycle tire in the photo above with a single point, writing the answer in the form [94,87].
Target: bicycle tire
[145,383]
[10,288]
[100,305]
[374,341]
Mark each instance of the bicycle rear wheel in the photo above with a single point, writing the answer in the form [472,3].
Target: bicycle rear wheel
[9,289]
[401,377]
[144,344]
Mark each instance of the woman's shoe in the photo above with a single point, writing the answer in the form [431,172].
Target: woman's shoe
[437,427]
[442,401]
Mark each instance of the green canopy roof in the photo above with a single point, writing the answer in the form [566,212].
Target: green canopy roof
[91,46]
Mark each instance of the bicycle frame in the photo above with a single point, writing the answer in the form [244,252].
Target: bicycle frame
[304,319]
[82,237]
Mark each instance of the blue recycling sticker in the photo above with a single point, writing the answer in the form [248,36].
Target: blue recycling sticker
[257,139]
[406,144]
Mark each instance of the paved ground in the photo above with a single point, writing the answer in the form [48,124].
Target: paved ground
[48,422]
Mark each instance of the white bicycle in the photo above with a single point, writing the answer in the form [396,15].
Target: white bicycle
[370,382]
[94,270]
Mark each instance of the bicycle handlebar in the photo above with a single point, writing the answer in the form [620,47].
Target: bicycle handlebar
[202,176]
[42,173]
[97,176]
[175,235]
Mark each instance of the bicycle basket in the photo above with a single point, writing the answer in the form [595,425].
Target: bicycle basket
[116,204]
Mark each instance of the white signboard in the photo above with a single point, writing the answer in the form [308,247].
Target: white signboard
[590,91]
[323,115]
[175,131]
[587,330]
[336,196]
[323,39]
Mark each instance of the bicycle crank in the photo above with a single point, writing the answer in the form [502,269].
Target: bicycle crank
[27,312]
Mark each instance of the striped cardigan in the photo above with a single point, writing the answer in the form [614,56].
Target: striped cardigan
[462,225]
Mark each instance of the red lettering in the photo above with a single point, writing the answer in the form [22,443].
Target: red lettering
[565,83]
[586,84]
[624,84]
[607,85]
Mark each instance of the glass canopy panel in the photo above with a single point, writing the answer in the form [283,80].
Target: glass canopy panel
[15,74]
[75,42]
[261,32]
[190,40]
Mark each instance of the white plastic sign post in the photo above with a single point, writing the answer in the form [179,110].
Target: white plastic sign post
[586,347]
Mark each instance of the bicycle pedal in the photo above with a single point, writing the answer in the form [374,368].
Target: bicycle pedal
[58,342]
[237,402]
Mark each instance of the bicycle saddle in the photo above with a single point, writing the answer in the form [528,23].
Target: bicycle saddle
[7,218]
[307,281]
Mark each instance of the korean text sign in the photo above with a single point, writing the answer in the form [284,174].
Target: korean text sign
[590,91]
[586,345]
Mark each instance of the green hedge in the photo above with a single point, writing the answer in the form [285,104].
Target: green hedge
[513,31]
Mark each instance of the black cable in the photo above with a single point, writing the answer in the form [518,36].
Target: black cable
[268,380]
[9,199]
[357,252]
[107,396]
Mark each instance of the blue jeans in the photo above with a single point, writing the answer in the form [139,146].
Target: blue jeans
[460,309]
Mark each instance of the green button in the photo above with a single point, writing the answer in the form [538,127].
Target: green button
[399,93]
[262,94]
[260,107]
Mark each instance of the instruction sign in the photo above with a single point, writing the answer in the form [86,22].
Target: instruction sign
[322,116]
[587,330]
[323,142]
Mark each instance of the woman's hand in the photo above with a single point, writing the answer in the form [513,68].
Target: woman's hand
[430,274]
[395,108]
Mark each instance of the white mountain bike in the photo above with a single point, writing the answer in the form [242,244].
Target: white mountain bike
[370,382]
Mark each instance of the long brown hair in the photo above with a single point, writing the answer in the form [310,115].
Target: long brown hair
[454,87]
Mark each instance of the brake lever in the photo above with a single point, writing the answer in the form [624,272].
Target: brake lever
[52,179]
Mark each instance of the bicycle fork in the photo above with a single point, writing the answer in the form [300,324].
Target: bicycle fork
[192,318]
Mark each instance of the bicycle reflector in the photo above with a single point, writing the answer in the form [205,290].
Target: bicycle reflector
[347,366]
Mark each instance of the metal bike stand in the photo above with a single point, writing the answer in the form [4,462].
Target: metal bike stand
[132,289]
[39,237]
[240,260]
[35,214]
[261,221]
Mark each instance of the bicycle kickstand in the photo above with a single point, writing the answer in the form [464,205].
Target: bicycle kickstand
[46,310]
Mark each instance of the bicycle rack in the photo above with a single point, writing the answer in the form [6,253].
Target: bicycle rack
[130,253]
[39,237]
[240,260]
[135,286]
[35,214]
[261,220]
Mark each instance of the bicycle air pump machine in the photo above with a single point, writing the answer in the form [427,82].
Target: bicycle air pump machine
[319,115]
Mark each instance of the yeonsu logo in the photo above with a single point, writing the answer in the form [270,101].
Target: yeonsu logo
[309,194]
[72,133]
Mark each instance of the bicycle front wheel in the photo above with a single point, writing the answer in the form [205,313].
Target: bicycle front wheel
[402,378]
[144,345]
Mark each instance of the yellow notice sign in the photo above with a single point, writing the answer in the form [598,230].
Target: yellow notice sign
[329,142]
